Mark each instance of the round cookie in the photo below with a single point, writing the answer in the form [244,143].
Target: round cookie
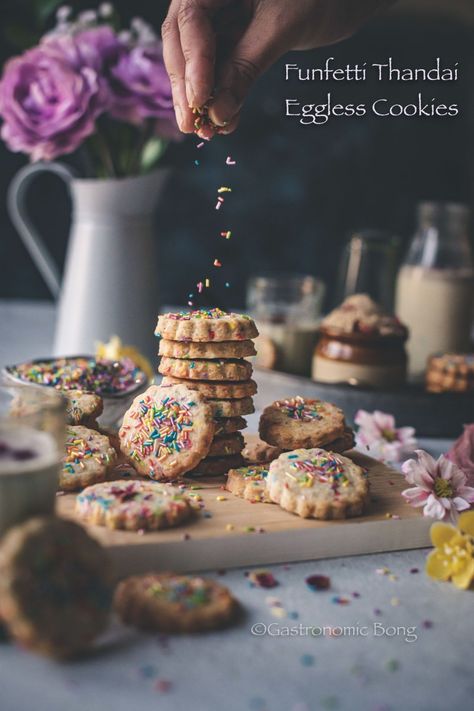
[343,443]
[88,457]
[314,483]
[82,407]
[217,466]
[217,390]
[172,603]
[229,369]
[301,422]
[133,505]
[206,325]
[55,586]
[258,452]
[228,425]
[222,349]
[167,431]
[249,483]
[231,408]
[224,445]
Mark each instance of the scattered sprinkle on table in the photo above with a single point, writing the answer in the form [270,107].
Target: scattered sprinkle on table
[318,582]
[307,660]
[262,579]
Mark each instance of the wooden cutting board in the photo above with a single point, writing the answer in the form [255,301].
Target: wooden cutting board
[225,539]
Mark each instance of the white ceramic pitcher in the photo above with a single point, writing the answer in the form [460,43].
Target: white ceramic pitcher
[110,281]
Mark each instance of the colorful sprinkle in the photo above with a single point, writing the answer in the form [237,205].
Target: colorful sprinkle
[262,579]
[318,582]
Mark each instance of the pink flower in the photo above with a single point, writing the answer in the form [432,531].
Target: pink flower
[378,435]
[462,453]
[439,486]
[48,106]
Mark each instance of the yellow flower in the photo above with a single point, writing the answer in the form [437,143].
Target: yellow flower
[453,555]
[115,350]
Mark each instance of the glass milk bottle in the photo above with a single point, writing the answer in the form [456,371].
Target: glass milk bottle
[435,285]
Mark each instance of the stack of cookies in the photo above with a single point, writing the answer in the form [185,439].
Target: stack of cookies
[206,351]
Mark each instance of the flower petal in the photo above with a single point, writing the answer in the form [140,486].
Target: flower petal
[463,579]
[434,508]
[461,504]
[427,462]
[438,566]
[466,523]
[415,496]
[467,492]
[441,533]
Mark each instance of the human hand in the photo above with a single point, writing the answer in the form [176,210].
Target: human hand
[218,48]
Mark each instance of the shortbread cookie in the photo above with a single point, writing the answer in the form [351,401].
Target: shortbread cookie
[206,325]
[133,505]
[342,444]
[82,407]
[230,369]
[314,483]
[451,372]
[167,431]
[89,455]
[301,422]
[258,452]
[217,466]
[228,425]
[222,349]
[55,586]
[216,389]
[224,445]
[172,603]
[231,408]
[249,483]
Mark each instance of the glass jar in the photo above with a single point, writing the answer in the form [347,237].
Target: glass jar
[32,423]
[435,285]
[286,309]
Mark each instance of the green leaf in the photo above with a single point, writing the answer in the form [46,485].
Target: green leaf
[151,153]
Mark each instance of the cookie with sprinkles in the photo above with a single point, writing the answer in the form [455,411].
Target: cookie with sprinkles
[219,349]
[228,425]
[224,369]
[224,445]
[315,483]
[231,408]
[173,604]
[218,389]
[249,483]
[133,505]
[258,452]
[82,407]
[88,457]
[218,466]
[301,422]
[167,431]
[55,586]
[206,325]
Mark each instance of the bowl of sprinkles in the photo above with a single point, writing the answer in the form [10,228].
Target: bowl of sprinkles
[116,381]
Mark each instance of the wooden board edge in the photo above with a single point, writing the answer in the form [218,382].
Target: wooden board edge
[278,547]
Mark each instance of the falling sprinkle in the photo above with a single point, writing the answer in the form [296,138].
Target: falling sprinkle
[224,189]
[196,162]
[227,234]
[229,161]
[200,286]
[207,283]
[200,145]
[227,284]
[217,263]
[318,582]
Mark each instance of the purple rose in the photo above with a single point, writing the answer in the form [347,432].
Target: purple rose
[48,105]
[94,48]
[140,85]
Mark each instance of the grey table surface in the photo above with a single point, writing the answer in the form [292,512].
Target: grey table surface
[384,642]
